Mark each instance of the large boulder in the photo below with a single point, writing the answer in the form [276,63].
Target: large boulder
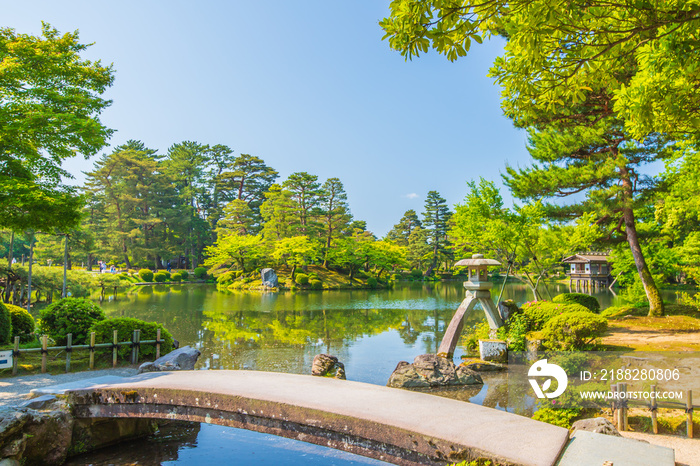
[35,437]
[431,370]
[325,365]
[182,359]
[599,425]
[269,278]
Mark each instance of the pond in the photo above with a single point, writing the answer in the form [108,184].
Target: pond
[370,331]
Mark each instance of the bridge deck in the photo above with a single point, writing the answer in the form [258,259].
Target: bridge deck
[395,425]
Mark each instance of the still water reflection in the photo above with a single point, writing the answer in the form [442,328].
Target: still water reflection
[369,330]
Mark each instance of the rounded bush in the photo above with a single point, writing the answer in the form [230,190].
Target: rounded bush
[316,284]
[160,277]
[372,282]
[146,275]
[175,277]
[415,273]
[5,325]
[125,326]
[539,312]
[587,301]
[70,315]
[573,330]
[301,278]
[200,272]
[22,323]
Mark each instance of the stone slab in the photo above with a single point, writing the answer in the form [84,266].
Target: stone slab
[40,402]
[590,448]
[515,439]
[61,389]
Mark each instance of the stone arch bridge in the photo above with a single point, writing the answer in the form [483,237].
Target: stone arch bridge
[393,425]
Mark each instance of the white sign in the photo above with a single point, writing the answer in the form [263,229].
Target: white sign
[5,359]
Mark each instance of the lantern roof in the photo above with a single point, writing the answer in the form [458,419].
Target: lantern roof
[477,259]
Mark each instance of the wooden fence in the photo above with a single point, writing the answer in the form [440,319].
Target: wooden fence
[135,343]
[619,408]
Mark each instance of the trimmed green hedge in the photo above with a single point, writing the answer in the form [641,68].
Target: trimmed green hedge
[539,312]
[372,282]
[301,278]
[316,284]
[574,331]
[22,323]
[160,277]
[125,326]
[587,301]
[200,272]
[146,275]
[5,325]
[70,315]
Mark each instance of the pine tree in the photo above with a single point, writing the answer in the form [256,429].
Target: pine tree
[435,220]
[402,230]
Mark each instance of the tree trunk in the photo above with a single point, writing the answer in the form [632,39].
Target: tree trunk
[656,304]
[9,266]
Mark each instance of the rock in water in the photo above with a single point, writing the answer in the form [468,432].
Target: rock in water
[182,359]
[431,370]
[599,425]
[269,278]
[325,365]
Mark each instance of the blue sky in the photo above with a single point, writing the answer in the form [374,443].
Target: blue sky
[306,86]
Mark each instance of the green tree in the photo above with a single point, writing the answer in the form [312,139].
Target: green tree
[306,194]
[556,53]
[233,250]
[435,220]
[238,218]
[402,230]
[279,214]
[419,251]
[246,178]
[335,213]
[295,251]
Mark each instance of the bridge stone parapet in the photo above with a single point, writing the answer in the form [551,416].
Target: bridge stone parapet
[393,425]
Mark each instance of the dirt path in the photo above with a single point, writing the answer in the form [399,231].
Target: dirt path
[687,450]
[15,389]
[652,339]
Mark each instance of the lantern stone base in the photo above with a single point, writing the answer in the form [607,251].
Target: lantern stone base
[493,350]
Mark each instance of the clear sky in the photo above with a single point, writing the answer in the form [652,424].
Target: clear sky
[307,86]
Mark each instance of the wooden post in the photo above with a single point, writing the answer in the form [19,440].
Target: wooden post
[69,349]
[623,389]
[114,348]
[92,350]
[615,409]
[15,356]
[689,411]
[654,407]
[44,352]
[157,343]
[134,348]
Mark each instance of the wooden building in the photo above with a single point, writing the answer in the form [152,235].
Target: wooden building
[589,270]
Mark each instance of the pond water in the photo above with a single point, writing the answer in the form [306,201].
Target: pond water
[370,331]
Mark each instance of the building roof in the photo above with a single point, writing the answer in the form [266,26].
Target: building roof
[586,258]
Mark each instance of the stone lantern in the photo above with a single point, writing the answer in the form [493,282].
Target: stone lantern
[478,291]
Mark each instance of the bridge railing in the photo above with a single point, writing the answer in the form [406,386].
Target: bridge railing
[135,343]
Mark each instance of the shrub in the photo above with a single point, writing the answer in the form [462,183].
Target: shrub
[125,326]
[562,417]
[514,333]
[22,323]
[200,272]
[415,273]
[160,277]
[146,275]
[175,277]
[70,315]
[372,282]
[316,284]
[480,331]
[573,330]
[539,312]
[301,278]
[587,301]
[5,325]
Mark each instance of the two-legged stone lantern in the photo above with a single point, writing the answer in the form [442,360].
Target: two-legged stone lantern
[477,288]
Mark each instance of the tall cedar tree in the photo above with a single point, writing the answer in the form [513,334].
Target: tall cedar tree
[435,220]
[306,192]
[335,213]
[402,230]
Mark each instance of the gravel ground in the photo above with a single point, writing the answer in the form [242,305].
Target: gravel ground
[16,389]
[687,450]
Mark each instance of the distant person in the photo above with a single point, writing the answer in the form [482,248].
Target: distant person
[168,266]
[113,269]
